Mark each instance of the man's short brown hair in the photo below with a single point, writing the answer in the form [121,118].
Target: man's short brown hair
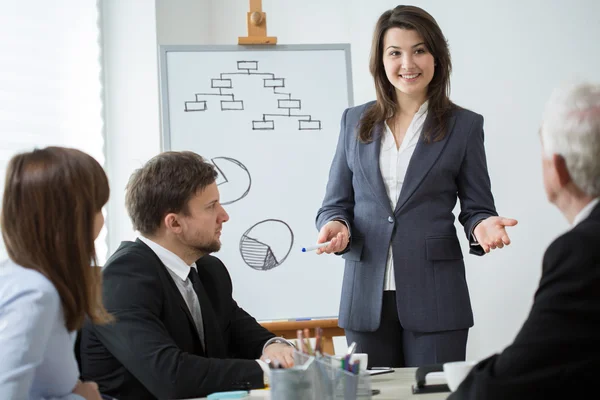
[164,185]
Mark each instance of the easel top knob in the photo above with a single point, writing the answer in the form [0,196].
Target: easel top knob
[257,26]
[256,18]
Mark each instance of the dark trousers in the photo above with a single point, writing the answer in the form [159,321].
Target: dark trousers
[392,346]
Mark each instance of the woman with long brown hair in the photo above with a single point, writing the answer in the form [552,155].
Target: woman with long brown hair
[400,165]
[51,215]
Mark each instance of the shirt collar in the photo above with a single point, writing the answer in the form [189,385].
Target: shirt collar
[423,109]
[585,211]
[171,260]
[388,141]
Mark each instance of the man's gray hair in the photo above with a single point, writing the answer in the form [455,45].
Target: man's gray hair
[571,129]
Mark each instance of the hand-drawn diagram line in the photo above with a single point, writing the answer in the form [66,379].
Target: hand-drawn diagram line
[225,180]
[259,255]
[225,82]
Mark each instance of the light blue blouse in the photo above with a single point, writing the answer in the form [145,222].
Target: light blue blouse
[37,361]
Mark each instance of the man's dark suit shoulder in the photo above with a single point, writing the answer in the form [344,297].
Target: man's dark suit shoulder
[136,255]
[132,256]
[583,241]
[132,272]
[558,347]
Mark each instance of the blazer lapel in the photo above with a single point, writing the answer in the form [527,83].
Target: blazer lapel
[175,291]
[185,309]
[174,288]
[424,157]
[368,159]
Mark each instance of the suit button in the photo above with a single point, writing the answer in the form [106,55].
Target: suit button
[391,219]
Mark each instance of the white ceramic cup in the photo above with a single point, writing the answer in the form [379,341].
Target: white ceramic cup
[363,358]
[455,372]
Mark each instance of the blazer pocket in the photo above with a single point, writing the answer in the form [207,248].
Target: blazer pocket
[443,248]
[356,248]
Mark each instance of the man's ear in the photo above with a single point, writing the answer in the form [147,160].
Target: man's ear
[562,172]
[172,223]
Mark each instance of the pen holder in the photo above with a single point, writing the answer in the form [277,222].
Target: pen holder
[291,384]
[336,383]
[320,378]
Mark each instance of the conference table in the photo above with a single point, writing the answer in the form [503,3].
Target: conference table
[396,386]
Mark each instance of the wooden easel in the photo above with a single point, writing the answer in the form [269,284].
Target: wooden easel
[257,34]
[288,329]
[257,26]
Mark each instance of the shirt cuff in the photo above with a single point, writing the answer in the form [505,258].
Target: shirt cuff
[277,340]
[473,242]
[266,373]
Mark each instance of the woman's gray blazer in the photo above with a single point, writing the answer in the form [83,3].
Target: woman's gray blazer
[431,289]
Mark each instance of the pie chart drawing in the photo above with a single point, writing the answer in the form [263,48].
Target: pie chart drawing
[234,179]
[266,244]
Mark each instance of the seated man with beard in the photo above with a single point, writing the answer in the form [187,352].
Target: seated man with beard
[178,333]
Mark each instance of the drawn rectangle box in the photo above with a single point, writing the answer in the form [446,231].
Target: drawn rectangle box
[290,104]
[195,105]
[309,125]
[232,105]
[248,65]
[274,83]
[221,83]
[263,125]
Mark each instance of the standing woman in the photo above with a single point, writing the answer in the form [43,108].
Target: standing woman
[400,165]
[51,215]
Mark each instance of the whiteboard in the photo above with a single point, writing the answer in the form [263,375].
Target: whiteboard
[268,118]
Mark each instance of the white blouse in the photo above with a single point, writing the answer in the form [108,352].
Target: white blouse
[393,163]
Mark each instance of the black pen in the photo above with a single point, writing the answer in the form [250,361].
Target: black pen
[374,372]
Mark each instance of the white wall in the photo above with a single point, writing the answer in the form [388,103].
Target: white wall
[132,115]
[507,56]
[131,101]
[184,21]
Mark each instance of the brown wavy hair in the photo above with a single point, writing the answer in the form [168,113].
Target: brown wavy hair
[440,106]
[165,184]
[51,198]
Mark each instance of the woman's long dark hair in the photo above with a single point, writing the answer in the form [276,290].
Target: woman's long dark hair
[440,106]
[51,199]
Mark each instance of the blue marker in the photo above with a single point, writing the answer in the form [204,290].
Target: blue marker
[316,246]
[238,394]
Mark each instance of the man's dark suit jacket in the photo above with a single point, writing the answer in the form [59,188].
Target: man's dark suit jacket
[153,350]
[557,352]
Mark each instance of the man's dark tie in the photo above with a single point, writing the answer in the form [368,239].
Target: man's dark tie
[214,345]
[197,314]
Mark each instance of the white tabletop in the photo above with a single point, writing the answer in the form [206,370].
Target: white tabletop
[396,386]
